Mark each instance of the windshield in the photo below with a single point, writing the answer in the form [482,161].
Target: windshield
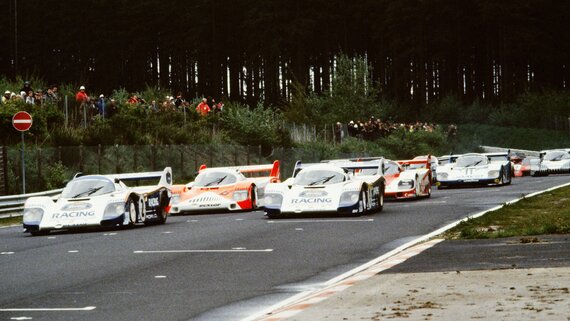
[211,179]
[318,177]
[85,187]
[473,160]
[391,168]
[556,156]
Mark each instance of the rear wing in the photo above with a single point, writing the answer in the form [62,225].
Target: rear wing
[271,169]
[407,163]
[164,176]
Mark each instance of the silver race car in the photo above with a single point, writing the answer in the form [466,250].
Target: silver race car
[101,200]
[345,187]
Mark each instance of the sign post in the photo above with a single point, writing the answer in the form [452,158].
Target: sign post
[22,121]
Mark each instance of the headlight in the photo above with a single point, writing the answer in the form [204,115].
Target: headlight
[442,176]
[114,209]
[175,199]
[32,215]
[406,184]
[273,199]
[240,195]
[493,173]
[349,198]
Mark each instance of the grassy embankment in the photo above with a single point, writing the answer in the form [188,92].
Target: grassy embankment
[547,213]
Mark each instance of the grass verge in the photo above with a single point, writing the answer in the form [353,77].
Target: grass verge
[547,213]
[10,220]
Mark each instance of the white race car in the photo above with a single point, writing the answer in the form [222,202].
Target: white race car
[475,169]
[553,161]
[101,200]
[345,187]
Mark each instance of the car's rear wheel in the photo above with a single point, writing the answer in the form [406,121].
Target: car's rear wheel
[161,212]
[253,196]
[132,212]
[381,199]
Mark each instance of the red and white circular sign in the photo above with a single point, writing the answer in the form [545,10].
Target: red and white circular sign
[22,121]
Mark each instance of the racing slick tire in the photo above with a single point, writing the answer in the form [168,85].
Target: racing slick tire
[381,199]
[161,213]
[508,177]
[253,196]
[429,191]
[132,212]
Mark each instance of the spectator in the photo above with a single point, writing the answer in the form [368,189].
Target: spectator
[6,96]
[30,99]
[101,106]
[179,100]
[39,97]
[83,100]
[112,108]
[219,107]
[51,95]
[27,87]
[338,133]
[154,106]
[203,109]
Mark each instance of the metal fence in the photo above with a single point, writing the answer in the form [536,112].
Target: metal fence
[48,167]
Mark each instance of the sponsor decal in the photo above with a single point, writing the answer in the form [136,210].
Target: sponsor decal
[76,206]
[313,194]
[73,214]
[209,205]
[318,200]
[153,202]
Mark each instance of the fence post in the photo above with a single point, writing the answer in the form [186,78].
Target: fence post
[65,106]
[259,154]
[81,169]
[116,158]
[99,158]
[59,153]
[181,149]
[247,154]
[39,164]
[236,155]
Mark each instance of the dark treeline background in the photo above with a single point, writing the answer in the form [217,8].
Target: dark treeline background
[420,50]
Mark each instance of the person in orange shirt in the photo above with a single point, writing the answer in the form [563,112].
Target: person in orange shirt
[203,109]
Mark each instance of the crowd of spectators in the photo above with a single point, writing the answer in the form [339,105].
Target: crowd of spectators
[88,107]
[28,95]
[374,128]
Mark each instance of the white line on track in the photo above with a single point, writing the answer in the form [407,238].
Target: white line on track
[6,253]
[46,309]
[73,251]
[21,318]
[204,251]
[320,221]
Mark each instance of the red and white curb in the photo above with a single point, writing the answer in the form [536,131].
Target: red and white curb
[313,298]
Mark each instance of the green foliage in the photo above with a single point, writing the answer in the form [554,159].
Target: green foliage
[56,176]
[256,126]
[351,96]
[546,213]
[403,144]
[472,135]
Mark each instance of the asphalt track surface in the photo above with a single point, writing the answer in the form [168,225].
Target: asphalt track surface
[214,266]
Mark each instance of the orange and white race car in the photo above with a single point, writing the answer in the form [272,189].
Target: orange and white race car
[224,189]
[406,179]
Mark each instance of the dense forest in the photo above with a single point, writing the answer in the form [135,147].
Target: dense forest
[419,51]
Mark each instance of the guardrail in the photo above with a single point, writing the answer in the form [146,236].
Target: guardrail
[13,205]
[493,149]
